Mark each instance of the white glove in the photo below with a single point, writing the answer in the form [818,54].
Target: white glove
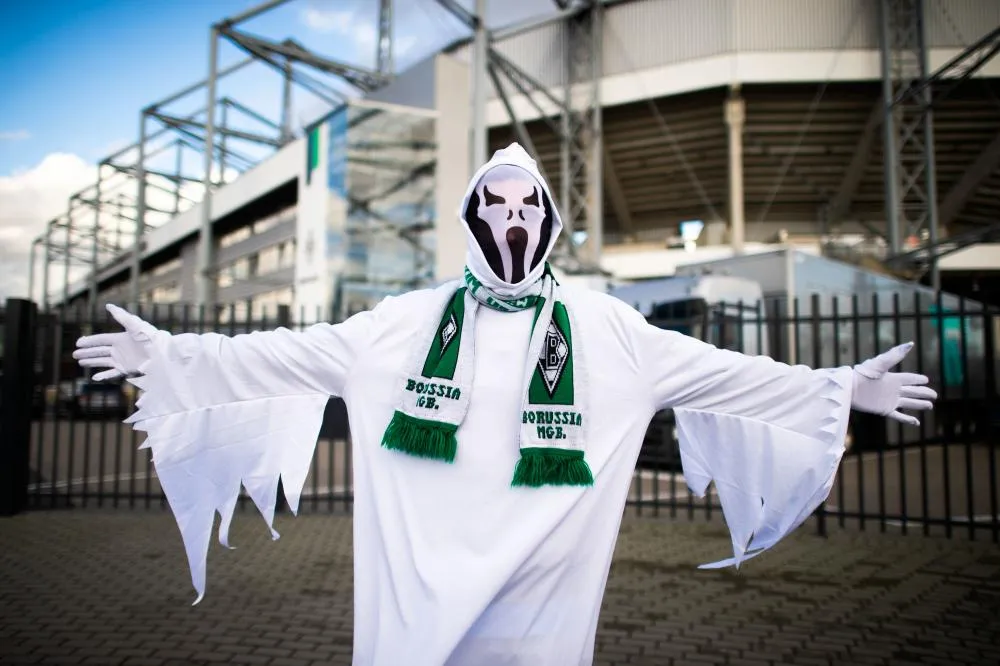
[124,353]
[878,391]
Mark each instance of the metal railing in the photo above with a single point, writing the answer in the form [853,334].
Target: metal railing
[939,478]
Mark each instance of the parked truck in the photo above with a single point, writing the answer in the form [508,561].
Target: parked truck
[824,312]
[803,308]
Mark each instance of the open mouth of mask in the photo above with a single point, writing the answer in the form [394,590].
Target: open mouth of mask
[510,218]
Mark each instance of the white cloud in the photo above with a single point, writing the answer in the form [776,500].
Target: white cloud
[16,135]
[111,148]
[362,32]
[359,33]
[28,200]
[328,20]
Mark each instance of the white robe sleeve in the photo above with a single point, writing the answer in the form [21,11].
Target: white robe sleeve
[223,411]
[771,436]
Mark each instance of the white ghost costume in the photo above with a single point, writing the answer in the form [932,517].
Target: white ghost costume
[454,564]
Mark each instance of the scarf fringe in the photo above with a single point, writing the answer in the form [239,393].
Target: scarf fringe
[421,438]
[552,467]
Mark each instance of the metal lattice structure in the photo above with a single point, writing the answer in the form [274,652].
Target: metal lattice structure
[581,149]
[908,125]
[119,203]
[909,116]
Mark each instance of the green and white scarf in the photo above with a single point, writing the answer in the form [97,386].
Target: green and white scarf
[435,391]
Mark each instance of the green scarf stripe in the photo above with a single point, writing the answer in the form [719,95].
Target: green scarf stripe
[421,437]
[552,467]
[443,355]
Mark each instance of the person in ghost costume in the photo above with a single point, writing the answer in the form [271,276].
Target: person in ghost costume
[496,421]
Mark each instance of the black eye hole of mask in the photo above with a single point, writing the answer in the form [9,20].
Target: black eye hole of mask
[491,198]
[531,200]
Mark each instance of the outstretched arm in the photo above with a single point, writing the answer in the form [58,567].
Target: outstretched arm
[769,435]
[692,375]
[221,412]
[212,369]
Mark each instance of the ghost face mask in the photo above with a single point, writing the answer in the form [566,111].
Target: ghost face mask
[510,219]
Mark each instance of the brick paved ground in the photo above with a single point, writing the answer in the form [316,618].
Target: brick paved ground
[112,588]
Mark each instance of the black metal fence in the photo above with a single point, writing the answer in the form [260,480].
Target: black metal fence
[939,478]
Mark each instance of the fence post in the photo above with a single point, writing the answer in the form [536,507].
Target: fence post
[16,393]
[816,332]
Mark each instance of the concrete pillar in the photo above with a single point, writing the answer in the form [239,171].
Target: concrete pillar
[735,116]
[451,92]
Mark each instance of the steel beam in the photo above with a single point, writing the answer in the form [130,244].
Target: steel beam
[840,205]
[931,252]
[359,77]
[176,122]
[595,175]
[480,62]
[205,278]
[947,77]
[250,113]
[619,204]
[197,86]
[519,129]
[31,270]
[980,169]
[527,82]
[175,177]
[461,13]
[219,147]
[67,258]
[134,172]
[582,153]
[383,55]
[910,164]
[527,92]
[110,159]
[140,215]
[280,64]
[251,13]
[534,23]
[46,258]
[223,131]
[94,256]
[288,78]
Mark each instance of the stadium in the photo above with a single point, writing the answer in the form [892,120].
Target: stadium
[674,132]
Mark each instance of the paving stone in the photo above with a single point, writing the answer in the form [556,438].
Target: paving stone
[251,659]
[113,587]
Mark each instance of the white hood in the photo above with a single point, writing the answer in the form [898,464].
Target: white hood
[513,155]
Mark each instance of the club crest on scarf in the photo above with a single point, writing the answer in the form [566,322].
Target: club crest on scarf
[555,351]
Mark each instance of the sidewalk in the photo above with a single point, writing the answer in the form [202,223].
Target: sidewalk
[89,587]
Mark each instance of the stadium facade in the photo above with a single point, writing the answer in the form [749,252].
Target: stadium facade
[691,129]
